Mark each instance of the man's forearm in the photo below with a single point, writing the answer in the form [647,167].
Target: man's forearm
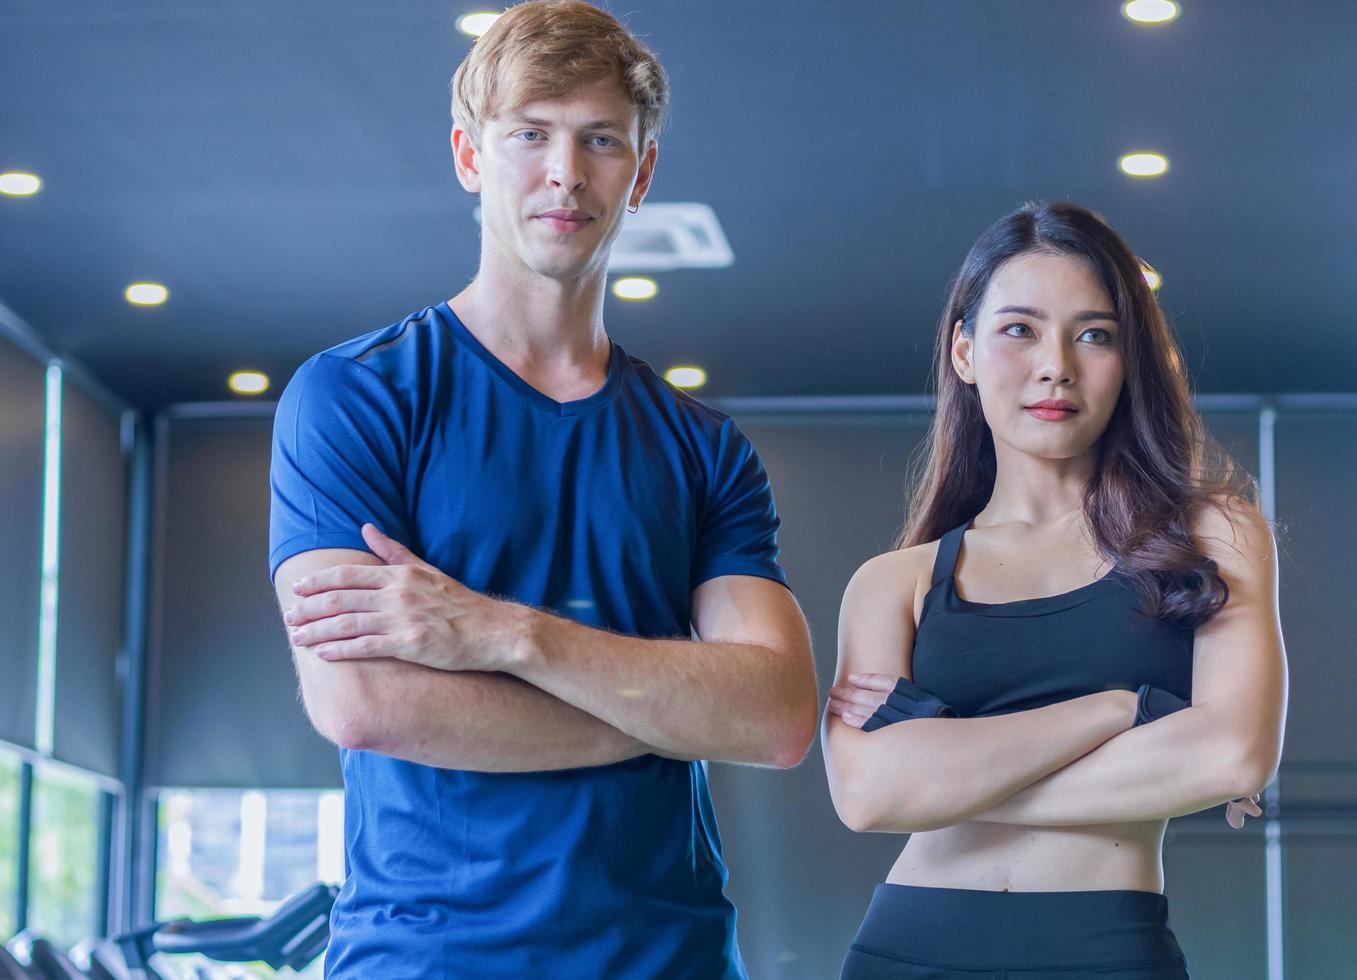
[458,720]
[735,702]
[1177,765]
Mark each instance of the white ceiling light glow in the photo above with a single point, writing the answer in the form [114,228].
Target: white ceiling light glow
[1150,11]
[1144,164]
[686,376]
[248,382]
[476,24]
[1152,278]
[18,183]
[146,294]
[635,288]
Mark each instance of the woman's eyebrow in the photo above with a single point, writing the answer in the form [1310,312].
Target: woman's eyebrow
[1037,314]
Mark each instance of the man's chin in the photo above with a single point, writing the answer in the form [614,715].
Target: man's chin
[566,269]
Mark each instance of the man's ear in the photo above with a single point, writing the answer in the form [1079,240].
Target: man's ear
[466,160]
[963,350]
[644,174]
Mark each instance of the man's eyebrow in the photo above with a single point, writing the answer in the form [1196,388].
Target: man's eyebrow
[616,124]
[1039,315]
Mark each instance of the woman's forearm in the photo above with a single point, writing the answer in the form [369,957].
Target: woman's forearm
[934,772]
[1178,765]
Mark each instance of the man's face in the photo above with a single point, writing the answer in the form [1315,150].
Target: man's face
[555,177]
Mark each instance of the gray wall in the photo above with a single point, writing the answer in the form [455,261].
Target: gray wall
[22,411]
[225,710]
[222,702]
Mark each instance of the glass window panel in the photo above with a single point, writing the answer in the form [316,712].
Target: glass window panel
[9,841]
[241,852]
[64,855]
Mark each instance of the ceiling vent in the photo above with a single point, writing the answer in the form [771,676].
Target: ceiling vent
[664,236]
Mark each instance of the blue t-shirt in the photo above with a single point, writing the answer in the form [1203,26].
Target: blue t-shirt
[609,510]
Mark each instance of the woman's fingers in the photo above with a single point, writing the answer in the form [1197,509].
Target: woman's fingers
[867,698]
[884,683]
[848,712]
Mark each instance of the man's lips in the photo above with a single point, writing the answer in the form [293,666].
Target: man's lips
[565,220]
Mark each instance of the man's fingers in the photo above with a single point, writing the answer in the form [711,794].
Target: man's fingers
[873,682]
[389,549]
[332,603]
[359,648]
[343,577]
[342,627]
[1233,816]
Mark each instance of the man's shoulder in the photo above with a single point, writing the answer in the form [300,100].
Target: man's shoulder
[674,400]
[388,348]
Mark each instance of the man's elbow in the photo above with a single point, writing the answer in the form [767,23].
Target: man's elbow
[792,741]
[347,717]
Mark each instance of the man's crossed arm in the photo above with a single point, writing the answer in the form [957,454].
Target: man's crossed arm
[398,658]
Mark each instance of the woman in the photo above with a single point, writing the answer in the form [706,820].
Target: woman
[1076,640]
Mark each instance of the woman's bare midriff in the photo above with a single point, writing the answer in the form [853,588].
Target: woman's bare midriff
[1006,857]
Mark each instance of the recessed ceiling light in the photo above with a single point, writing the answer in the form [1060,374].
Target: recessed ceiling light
[686,376]
[1143,164]
[635,288]
[17,183]
[146,294]
[1150,11]
[1151,276]
[476,24]
[248,382]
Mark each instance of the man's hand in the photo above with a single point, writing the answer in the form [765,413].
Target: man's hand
[405,609]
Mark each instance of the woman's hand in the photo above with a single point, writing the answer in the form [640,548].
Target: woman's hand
[1237,810]
[857,700]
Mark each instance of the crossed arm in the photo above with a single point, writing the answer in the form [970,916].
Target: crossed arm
[395,657]
[1079,762]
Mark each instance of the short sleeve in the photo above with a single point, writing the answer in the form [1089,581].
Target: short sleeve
[738,524]
[339,442]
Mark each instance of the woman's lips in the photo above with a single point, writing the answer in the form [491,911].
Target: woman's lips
[1051,414]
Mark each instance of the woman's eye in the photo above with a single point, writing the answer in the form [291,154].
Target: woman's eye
[1014,326]
[1105,336]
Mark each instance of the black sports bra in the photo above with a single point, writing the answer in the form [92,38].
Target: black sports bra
[993,658]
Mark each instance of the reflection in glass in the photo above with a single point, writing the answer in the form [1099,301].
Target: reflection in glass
[241,852]
[64,851]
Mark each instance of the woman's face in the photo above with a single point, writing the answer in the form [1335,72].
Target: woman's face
[1045,332]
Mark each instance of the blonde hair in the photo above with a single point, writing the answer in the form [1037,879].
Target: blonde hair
[545,49]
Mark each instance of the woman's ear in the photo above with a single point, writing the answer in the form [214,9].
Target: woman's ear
[963,350]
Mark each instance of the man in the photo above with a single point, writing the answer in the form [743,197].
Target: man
[528,583]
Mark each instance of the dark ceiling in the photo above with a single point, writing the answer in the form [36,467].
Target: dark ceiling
[283,168]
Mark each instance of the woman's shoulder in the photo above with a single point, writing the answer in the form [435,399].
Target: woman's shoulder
[1234,532]
[895,577]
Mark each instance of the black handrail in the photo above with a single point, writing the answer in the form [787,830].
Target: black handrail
[294,935]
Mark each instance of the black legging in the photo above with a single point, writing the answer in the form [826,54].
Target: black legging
[913,933]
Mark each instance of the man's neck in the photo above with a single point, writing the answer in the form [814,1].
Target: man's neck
[550,333]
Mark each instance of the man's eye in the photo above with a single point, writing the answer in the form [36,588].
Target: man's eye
[530,136]
[605,140]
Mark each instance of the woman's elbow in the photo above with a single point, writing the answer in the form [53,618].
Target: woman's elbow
[1253,768]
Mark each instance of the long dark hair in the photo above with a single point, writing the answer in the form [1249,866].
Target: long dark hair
[1157,467]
